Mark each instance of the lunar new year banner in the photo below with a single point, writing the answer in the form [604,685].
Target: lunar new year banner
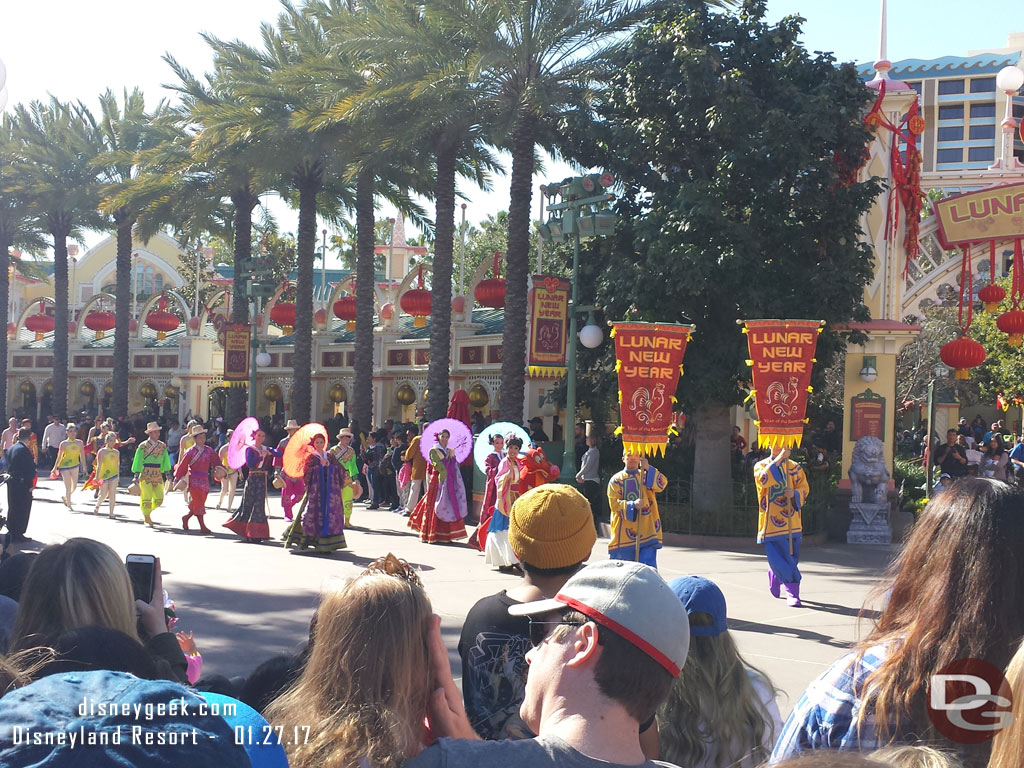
[781,356]
[649,360]
[549,322]
[236,354]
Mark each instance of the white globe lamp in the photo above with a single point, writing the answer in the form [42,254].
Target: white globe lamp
[591,336]
[262,359]
[1010,79]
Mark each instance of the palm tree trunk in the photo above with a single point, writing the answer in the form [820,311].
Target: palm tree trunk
[513,341]
[308,186]
[122,314]
[712,470]
[60,228]
[441,283]
[5,288]
[244,201]
[362,395]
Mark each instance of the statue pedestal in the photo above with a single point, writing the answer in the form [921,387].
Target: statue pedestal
[869,523]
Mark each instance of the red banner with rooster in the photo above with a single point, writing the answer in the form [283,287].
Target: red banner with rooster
[781,358]
[649,361]
[549,323]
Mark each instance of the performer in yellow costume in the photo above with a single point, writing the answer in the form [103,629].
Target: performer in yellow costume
[152,460]
[70,460]
[636,524]
[781,492]
[107,469]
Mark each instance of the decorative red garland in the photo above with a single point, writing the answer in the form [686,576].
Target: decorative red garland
[906,174]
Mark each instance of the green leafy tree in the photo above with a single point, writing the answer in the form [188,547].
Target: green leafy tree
[126,130]
[60,146]
[723,129]
[19,227]
[1002,372]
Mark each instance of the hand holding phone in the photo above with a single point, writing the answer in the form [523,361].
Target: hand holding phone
[142,572]
[151,610]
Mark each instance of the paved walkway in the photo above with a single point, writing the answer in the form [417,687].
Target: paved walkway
[247,602]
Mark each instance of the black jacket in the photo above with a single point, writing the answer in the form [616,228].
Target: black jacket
[20,464]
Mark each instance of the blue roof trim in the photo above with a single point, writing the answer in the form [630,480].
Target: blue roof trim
[982,64]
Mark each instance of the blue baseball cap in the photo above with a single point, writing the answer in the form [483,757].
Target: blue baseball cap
[700,595]
[104,718]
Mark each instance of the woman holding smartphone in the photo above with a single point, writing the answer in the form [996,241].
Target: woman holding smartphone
[83,583]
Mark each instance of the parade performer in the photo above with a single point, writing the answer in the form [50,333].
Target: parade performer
[635,522]
[250,520]
[346,456]
[535,469]
[93,483]
[152,460]
[479,537]
[293,488]
[321,525]
[781,492]
[198,461]
[506,480]
[228,477]
[70,460]
[106,472]
[439,514]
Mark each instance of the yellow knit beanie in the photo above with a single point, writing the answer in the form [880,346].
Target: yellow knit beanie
[551,526]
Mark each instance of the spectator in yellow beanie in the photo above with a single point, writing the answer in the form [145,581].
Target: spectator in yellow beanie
[551,531]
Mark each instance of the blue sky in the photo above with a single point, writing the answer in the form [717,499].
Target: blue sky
[76,49]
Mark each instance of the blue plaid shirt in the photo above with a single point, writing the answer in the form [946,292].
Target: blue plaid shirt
[828,715]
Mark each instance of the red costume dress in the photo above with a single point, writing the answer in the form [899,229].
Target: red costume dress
[439,514]
[479,537]
[198,461]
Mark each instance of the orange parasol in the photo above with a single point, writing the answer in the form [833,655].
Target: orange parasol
[299,448]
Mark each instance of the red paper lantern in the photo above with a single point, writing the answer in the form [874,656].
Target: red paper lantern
[490,292]
[961,354]
[11,329]
[100,321]
[345,309]
[387,311]
[320,316]
[417,302]
[39,323]
[162,321]
[72,327]
[991,295]
[193,323]
[1012,324]
[283,315]
[133,325]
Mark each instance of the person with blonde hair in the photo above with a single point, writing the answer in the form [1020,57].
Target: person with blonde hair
[69,461]
[107,472]
[83,583]
[720,712]
[368,680]
[1008,745]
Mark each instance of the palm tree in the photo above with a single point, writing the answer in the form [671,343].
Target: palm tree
[425,67]
[60,147]
[308,163]
[125,133]
[540,59]
[18,227]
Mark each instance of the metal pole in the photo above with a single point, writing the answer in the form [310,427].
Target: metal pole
[391,252]
[462,252]
[928,439]
[199,254]
[253,348]
[323,267]
[569,428]
[540,240]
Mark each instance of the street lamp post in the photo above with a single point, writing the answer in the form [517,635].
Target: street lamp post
[261,285]
[323,266]
[584,214]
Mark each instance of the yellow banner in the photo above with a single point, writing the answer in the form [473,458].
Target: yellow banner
[996,213]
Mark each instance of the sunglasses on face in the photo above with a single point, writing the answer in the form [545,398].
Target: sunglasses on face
[539,630]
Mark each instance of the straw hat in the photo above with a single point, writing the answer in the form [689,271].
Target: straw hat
[152,427]
[291,426]
[346,432]
[198,429]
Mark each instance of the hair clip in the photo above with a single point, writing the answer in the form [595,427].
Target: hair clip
[389,565]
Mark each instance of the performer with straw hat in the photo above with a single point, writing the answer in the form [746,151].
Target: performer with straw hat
[152,460]
[197,462]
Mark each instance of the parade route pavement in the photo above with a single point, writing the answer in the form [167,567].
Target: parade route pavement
[248,602]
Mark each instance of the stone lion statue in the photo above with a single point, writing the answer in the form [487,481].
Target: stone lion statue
[869,477]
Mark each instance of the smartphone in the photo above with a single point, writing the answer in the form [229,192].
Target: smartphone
[142,572]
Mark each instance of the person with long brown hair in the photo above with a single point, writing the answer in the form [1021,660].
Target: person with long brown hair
[956,591]
[368,679]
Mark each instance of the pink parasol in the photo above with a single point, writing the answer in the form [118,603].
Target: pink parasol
[461,440]
[300,447]
[241,439]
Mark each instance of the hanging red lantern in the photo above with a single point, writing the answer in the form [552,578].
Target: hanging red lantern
[991,295]
[345,309]
[491,292]
[387,311]
[40,324]
[417,302]
[100,321]
[1012,323]
[320,317]
[283,315]
[962,354]
[162,321]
